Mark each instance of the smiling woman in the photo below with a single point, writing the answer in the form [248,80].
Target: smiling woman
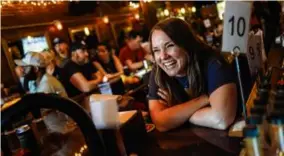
[190,81]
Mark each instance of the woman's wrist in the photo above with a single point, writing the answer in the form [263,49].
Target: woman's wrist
[204,100]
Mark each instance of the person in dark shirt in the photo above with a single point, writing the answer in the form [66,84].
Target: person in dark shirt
[78,74]
[190,82]
[110,66]
[106,62]
[62,53]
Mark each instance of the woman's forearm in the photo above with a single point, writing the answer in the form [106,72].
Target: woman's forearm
[175,116]
[212,118]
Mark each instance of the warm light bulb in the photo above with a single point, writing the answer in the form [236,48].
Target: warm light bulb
[105,19]
[29,38]
[182,10]
[87,31]
[58,25]
[166,12]
[85,146]
[137,16]
[193,9]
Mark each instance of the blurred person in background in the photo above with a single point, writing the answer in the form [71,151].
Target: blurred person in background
[110,66]
[107,63]
[62,52]
[39,79]
[79,75]
[269,11]
[218,32]
[190,82]
[42,82]
[132,54]
[23,83]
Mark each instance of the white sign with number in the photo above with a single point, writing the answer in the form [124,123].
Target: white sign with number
[254,53]
[236,26]
[207,23]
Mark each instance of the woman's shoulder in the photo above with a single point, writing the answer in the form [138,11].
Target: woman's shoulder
[218,73]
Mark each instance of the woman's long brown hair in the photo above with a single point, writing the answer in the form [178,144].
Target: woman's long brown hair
[197,53]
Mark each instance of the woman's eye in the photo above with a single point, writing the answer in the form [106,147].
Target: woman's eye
[170,45]
[155,51]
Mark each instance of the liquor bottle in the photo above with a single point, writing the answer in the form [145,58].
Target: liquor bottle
[252,142]
[276,131]
[261,125]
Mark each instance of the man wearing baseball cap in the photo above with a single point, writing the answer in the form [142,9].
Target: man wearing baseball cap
[78,74]
[62,51]
[39,80]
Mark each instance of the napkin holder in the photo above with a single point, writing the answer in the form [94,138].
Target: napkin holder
[133,131]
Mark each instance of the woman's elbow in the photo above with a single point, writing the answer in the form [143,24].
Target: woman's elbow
[225,122]
[162,128]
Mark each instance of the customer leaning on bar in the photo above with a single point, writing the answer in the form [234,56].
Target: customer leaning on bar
[190,82]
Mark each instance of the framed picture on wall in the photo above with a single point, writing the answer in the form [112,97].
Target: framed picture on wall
[105,32]
[80,33]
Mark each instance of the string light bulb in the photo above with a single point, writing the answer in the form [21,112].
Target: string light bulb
[166,12]
[29,38]
[58,25]
[105,19]
[193,9]
[87,31]
[182,10]
[137,16]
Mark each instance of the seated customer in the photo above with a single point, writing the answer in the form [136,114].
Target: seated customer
[132,54]
[107,63]
[62,53]
[42,82]
[38,79]
[78,74]
[189,82]
[110,66]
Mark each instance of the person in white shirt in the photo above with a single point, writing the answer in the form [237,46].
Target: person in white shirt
[42,82]
[39,80]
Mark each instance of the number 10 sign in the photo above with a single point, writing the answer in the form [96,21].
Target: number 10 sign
[236,26]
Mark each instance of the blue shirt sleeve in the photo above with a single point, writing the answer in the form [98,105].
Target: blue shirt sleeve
[218,74]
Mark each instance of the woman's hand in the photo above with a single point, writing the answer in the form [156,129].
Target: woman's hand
[205,100]
[164,95]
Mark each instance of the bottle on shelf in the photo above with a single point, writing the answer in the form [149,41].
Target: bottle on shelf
[259,122]
[276,132]
[252,143]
